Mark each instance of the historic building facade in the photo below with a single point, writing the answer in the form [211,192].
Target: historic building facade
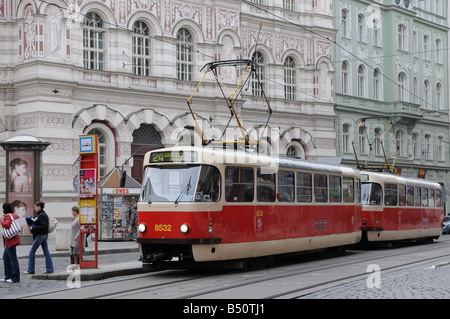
[391,62]
[124,69]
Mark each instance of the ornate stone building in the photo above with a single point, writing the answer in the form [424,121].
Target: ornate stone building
[125,68]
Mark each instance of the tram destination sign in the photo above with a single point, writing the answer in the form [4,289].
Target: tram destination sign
[173,156]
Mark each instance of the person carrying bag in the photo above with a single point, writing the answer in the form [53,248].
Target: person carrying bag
[11,263]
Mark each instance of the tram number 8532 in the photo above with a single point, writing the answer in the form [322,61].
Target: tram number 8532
[163,227]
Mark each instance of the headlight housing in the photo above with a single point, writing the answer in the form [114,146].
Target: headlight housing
[142,227]
[184,228]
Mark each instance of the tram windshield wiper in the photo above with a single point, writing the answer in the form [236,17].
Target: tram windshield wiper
[185,191]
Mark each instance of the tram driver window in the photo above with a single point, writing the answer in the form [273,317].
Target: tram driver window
[208,189]
[239,184]
[372,194]
[265,185]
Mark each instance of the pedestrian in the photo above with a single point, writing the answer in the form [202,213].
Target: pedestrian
[75,241]
[10,261]
[132,221]
[40,229]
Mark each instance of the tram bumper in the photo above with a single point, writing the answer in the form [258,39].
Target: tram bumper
[161,253]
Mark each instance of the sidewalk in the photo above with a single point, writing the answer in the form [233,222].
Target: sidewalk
[103,271]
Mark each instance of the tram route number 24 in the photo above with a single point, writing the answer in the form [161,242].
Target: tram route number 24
[163,227]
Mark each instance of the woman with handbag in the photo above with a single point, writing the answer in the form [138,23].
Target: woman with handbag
[40,229]
[10,261]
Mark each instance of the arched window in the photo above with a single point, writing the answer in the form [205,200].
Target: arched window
[94,52]
[185,47]
[141,49]
[426,94]
[376,84]
[361,81]
[439,96]
[290,85]
[102,152]
[258,76]
[402,86]
[345,78]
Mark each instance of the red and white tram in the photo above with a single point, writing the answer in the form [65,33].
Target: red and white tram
[204,204]
[397,208]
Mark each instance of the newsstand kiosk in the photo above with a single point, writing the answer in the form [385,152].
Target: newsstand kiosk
[117,205]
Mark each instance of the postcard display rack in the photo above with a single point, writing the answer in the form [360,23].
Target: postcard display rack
[115,213]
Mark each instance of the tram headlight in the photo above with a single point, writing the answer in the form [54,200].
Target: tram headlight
[184,228]
[142,227]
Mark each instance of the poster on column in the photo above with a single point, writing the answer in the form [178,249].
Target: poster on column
[21,168]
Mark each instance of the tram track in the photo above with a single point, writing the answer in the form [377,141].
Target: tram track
[289,280]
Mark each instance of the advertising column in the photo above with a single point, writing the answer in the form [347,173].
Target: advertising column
[87,194]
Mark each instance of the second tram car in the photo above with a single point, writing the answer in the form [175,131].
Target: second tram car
[398,208]
[203,204]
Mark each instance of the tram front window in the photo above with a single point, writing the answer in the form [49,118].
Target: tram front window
[175,183]
[372,194]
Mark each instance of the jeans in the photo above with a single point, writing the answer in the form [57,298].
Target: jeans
[11,264]
[40,240]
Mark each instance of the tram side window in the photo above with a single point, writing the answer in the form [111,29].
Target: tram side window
[286,186]
[348,190]
[335,189]
[438,198]
[410,195]
[304,183]
[431,198]
[424,197]
[265,185]
[320,188]
[239,184]
[208,189]
[390,194]
[402,195]
[417,197]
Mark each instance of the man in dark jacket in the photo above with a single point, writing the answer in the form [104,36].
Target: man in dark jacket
[40,229]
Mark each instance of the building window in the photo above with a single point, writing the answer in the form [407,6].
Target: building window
[376,33]
[427,149]
[344,23]
[345,78]
[426,48]
[289,79]
[415,145]
[378,149]
[184,55]
[102,152]
[361,23]
[376,84]
[438,51]
[439,96]
[440,149]
[426,93]
[400,137]
[416,91]
[346,138]
[259,75]
[401,37]
[362,140]
[289,5]
[361,81]
[402,86]
[94,42]
[141,49]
